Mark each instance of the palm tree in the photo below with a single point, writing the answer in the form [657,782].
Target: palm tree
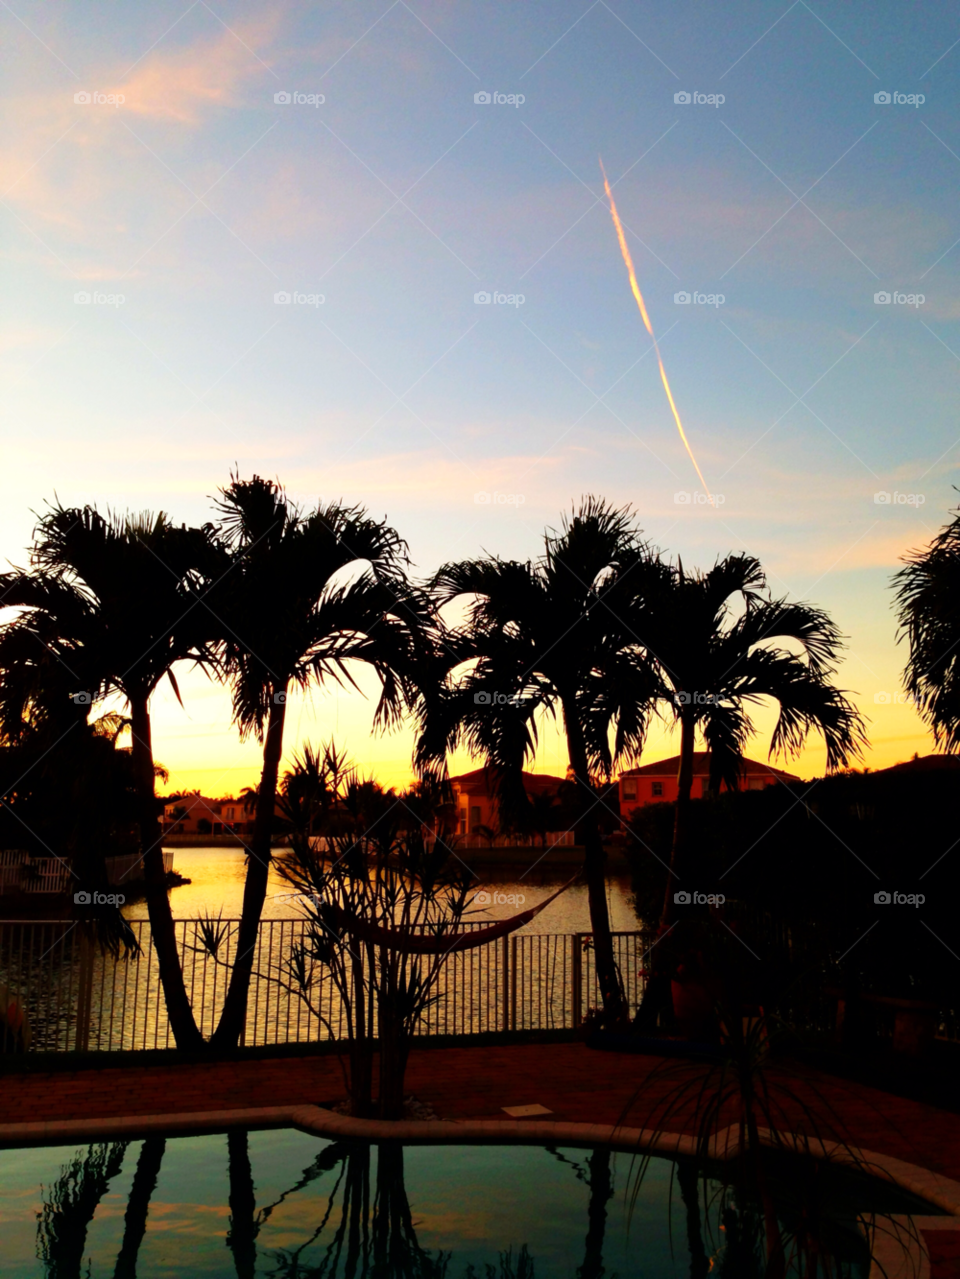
[114,603]
[547,637]
[309,595]
[716,642]
[928,601]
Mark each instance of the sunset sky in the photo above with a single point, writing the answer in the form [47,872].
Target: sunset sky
[183,209]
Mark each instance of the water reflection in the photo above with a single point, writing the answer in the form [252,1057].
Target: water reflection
[233,1205]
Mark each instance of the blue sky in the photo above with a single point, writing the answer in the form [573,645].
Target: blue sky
[199,197]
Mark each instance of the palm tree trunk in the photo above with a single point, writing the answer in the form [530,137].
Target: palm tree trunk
[162,929]
[234,1015]
[601,1192]
[594,857]
[681,819]
[242,1230]
[656,992]
[138,1206]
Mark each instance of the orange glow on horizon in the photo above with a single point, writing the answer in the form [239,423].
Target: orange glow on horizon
[635,287]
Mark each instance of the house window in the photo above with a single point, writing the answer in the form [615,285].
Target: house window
[474,816]
[630,788]
[756,783]
[657,788]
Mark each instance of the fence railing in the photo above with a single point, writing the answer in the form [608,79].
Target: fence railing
[76,997]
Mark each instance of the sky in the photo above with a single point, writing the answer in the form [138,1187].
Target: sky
[181,167]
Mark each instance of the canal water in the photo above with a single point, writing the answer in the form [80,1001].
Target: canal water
[217,875]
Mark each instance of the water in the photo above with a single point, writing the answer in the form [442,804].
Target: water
[217,876]
[284,1203]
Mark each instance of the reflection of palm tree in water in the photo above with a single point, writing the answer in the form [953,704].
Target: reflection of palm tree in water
[135,1220]
[73,1199]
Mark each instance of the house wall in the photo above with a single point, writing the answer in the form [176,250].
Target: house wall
[649,789]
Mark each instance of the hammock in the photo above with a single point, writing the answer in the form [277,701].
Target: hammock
[439,944]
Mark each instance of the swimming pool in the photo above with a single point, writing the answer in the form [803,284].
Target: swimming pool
[282,1203]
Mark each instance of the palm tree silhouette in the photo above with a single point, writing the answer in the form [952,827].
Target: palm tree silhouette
[117,602]
[716,643]
[928,605]
[309,595]
[546,636]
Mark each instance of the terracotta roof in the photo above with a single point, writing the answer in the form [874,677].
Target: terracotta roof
[924,764]
[701,768]
[532,782]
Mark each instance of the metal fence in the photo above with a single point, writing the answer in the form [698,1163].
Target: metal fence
[76,997]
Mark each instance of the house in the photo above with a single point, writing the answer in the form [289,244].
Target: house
[475,805]
[197,815]
[657,783]
[923,764]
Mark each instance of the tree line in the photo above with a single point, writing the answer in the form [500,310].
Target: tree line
[601,631]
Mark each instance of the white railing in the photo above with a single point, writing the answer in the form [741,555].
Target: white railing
[76,997]
[21,872]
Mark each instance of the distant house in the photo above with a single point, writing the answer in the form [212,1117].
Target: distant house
[923,764]
[197,815]
[475,803]
[657,783]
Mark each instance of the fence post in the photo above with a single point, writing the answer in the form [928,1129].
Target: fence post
[505,990]
[513,983]
[84,994]
[577,980]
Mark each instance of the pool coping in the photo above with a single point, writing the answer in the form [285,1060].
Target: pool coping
[942,1192]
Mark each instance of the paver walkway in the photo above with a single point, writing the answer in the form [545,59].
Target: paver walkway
[574,1082]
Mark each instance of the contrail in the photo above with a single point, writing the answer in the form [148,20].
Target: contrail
[646,319]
